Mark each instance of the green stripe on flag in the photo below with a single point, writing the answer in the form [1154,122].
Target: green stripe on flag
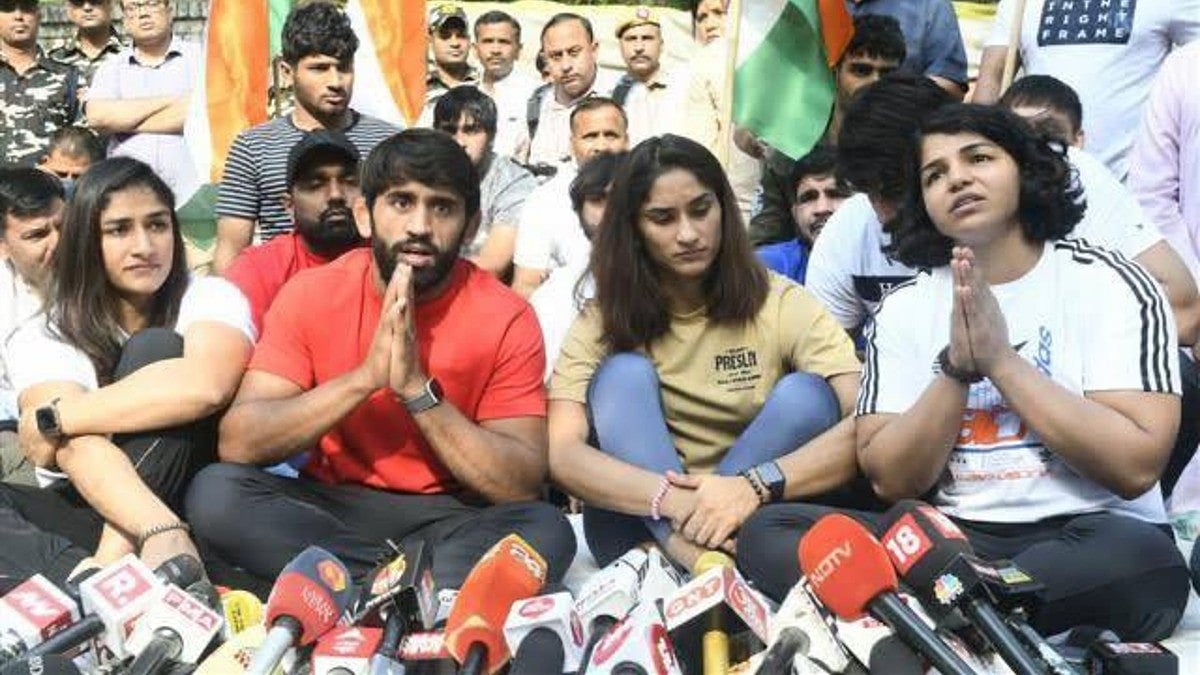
[784,91]
[278,11]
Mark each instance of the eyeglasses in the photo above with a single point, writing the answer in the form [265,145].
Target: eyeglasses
[30,6]
[94,3]
[140,5]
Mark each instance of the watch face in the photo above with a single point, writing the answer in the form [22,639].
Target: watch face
[46,420]
[435,388]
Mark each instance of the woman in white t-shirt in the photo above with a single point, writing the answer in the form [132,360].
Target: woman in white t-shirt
[120,382]
[1026,380]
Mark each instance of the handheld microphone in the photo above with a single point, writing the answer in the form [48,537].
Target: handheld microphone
[715,642]
[305,602]
[176,628]
[30,614]
[346,650]
[720,585]
[235,655]
[608,595]
[639,643]
[424,646]
[509,571]
[933,557]
[799,610]
[782,654]
[50,664]
[399,596]
[851,574]
[541,652]
[241,610]
[552,613]
[659,578]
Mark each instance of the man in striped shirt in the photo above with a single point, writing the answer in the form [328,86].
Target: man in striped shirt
[318,60]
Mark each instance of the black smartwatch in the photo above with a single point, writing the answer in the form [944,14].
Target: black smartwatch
[951,371]
[49,424]
[771,476]
[426,399]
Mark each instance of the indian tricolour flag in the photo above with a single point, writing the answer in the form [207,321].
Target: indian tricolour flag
[242,37]
[783,83]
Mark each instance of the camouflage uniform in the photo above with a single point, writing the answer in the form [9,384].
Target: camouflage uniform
[71,54]
[33,106]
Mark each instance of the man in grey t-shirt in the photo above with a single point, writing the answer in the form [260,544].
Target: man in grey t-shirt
[469,115]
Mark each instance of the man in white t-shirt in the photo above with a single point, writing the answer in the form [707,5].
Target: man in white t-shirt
[1108,52]
[849,272]
[31,210]
[547,237]
[497,46]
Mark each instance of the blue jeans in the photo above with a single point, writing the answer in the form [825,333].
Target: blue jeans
[626,413]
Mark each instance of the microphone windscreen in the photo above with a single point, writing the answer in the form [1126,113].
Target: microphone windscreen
[314,589]
[182,570]
[921,541]
[845,565]
[890,656]
[50,664]
[540,652]
[510,571]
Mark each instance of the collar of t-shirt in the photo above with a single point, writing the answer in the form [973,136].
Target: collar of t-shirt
[173,51]
[355,116]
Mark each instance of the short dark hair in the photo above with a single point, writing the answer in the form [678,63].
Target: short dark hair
[820,161]
[876,139]
[1047,91]
[425,156]
[1050,201]
[26,192]
[318,29]
[594,177]
[877,36]
[564,17]
[539,63]
[76,142]
[629,291]
[468,101]
[496,16]
[595,103]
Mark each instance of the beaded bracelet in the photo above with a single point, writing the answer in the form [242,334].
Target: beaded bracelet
[155,530]
[657,500]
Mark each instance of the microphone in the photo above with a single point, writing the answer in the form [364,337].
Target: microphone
[715,642]
[178,627]
[509,571]
[305,602]
[782,654]
[241,610]
[399,596]
[851,574]
[552,613]
[933,557]
[799,611]
[50,664]
[235,655]
[659,578]
[424,646]
[720,585]
[31,613]
[639,643]
[539,653]
[608,595]
[346,650]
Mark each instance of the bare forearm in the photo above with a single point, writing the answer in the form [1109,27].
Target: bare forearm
[124,115]
[169,120]
[602,480]
[103,474]
[270,431]
[905,457]
[498,467]
[1093,439]
[823,464]
[991,71]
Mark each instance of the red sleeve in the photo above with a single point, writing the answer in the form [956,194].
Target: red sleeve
[515,388]
[284,349]
[244,274]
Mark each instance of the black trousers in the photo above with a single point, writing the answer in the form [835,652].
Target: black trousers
[50,530]
[258,522]
[1099,569]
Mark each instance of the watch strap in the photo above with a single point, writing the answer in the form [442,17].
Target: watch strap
[953,372]
[425,400]
[772,478]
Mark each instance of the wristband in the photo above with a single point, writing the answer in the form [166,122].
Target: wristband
[657,500]
[954,372]
[756,484]
[155,530]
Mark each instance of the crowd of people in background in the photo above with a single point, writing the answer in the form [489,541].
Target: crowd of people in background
[575,290]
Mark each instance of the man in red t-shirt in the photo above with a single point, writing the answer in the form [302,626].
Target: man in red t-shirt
[322,186]
[412,377]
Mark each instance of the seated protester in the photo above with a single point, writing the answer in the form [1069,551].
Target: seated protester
[558,302]
[819,193]
[72,150]
[711,385]
[1049,105]
[875,50]
[1026,380]
[848,271]
[120,382]
[322,186]
[423,408]
[31,208]
[547,237]
[469,115]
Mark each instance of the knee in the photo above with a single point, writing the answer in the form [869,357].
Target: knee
[809,394]
[550,534]
[766,551]
[628,370]
[212,503]
[146,347]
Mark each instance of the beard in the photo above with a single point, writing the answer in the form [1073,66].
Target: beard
[333,232]
[387,257]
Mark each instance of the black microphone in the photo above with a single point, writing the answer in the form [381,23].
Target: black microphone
[779,658]
[540,652]
[50,664]
[934,558]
